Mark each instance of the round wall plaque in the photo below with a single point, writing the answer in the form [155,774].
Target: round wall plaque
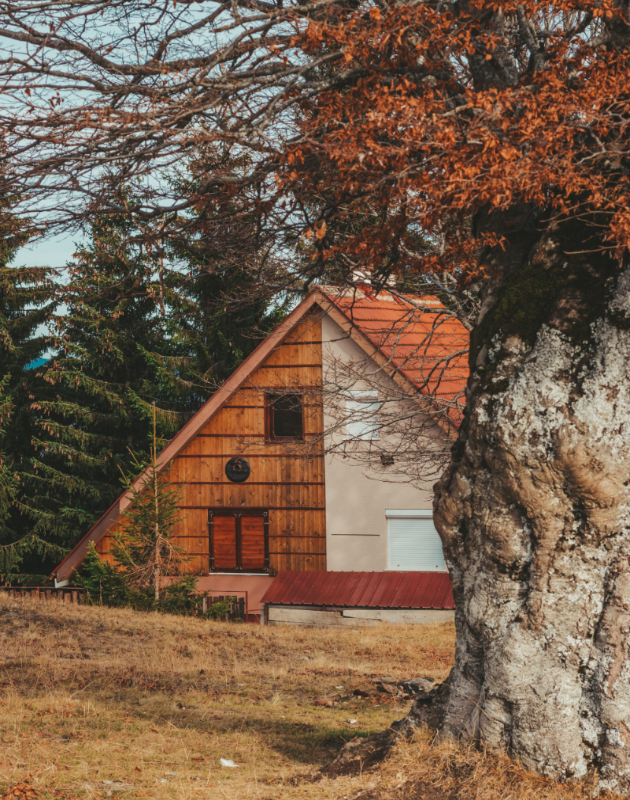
[237,469]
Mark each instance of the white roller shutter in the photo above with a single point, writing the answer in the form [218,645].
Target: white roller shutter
[413,543]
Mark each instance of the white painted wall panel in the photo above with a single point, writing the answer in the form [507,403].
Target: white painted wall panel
[356,500]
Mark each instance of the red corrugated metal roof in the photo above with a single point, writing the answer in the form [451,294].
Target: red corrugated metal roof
[362,589]
[428,347]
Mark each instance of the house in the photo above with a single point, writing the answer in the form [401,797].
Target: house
[293,465]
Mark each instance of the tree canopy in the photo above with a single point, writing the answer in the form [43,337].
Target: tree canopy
[421,117]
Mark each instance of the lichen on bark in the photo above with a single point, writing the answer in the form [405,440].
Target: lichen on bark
[534,515]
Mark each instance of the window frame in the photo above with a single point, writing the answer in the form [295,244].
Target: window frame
[238,514]
[269,415]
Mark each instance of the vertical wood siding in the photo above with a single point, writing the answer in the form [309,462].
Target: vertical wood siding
[287,479]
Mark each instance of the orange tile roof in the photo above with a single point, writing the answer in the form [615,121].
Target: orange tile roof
[429,347]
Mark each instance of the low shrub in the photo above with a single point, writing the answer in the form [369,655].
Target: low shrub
[107,586]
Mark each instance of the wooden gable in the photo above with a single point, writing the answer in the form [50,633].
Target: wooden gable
[287,478]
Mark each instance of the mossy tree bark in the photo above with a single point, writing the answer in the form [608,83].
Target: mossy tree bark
[534,510]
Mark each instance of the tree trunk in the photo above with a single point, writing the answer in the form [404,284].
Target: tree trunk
[534,510]
[157,580]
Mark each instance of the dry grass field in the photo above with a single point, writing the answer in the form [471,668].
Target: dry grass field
[105,703]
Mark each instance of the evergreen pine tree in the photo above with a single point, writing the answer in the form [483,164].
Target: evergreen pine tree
[216,331]
[224,302]
[134,332]
[113,359]
[144,547]
[103,583]
[27,303]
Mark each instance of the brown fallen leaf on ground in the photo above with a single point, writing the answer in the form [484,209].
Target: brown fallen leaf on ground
[21,791]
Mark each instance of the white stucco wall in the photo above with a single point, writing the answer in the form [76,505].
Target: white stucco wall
[356,527]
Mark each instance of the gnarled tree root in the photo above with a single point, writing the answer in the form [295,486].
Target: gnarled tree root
[358,754]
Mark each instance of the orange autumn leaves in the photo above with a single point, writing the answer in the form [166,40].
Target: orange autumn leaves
[434,115]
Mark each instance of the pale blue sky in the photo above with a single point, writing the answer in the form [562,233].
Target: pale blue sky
[53,252]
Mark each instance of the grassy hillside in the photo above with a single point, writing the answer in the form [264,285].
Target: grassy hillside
[113,703]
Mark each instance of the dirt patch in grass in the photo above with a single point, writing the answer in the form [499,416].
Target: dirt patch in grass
[101,703]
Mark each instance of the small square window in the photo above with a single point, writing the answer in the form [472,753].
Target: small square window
[284,416]
[362,409]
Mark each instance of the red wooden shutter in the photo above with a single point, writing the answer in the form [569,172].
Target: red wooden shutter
[224,542]
[252,542]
